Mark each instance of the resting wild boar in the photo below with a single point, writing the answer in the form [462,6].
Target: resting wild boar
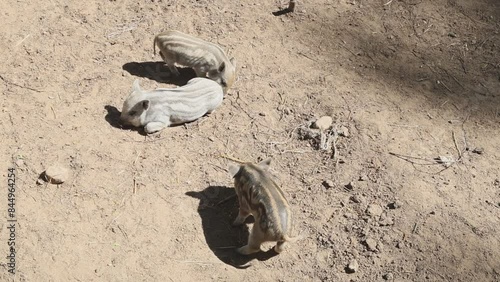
[160,108]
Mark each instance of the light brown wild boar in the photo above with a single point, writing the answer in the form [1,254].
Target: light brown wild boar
[261,197]
[207,59]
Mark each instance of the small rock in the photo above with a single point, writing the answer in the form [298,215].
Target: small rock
[323,123]
[353,266]
[344,131]
[328,184]
[262,114]
[349,186]
[19,162]
[394,205]
[39,181]
[388,276]
[371,244]
[287,111]
[358,199]
[363,178]
[210,138]
[56,174]
[478,151]
[446,160]
[496,182]
[386,220]
[374,210]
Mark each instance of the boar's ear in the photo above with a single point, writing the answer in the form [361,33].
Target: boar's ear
[265,163]
[222,66]
[233,62]
[145,104]
[136,86]
[233,169]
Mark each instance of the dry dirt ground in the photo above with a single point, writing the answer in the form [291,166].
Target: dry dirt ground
[407,82]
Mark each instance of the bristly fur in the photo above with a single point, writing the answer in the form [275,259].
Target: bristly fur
[259,195]
[160,108]
[207,59]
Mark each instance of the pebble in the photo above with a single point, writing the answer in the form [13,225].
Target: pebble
[371,244]
[349,186]
[323,123]
[358,199]
[56,174]
[374,210]
[353,266]
[394,205]
[344,131]
[328,184]
[478,151]
[363,178]
[400,245]
[388,276]
[386,220]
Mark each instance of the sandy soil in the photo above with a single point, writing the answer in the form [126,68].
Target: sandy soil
[406,82]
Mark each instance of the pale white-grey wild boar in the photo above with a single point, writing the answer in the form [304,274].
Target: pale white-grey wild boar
[162,107]
[261,197]
[207,59]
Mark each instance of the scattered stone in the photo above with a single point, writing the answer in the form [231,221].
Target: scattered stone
[349,186]
[388,276]
[451,34]
[358,199]
[394,205]
[262,114]
[497,182]
[374,210]
[19,162]
[328,184]
[446,160]
[353,266]
[371,244]
[323,123]
[344,131]
[39,181]
[210,138]
[400,245]
[363,178]
[287,111]
[478,150]
[385,220]
[56,174]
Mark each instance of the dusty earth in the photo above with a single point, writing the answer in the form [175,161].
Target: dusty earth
[409,190]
